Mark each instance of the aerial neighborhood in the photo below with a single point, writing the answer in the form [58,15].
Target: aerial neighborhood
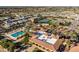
[39,29]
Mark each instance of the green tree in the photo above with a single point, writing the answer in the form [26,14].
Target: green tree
[52,22]
[26,39]
[7,44]
[40,16]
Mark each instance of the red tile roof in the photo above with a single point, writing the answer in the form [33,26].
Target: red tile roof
[43,44]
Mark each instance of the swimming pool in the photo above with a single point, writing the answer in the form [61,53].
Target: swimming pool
[17,34]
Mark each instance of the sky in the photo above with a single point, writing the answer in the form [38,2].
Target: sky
[39,2]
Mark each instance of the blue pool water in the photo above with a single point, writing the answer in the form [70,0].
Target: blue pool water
[17,34]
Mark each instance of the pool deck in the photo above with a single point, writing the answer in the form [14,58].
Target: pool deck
[17,34]
[16,39]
